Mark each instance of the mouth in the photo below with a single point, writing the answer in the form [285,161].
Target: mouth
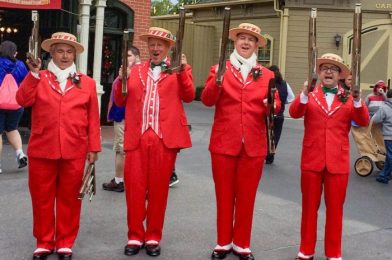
[328,77]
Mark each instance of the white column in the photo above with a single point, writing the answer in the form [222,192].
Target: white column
[84,33]
[100,5]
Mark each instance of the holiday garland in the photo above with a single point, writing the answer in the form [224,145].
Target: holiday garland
[107,63]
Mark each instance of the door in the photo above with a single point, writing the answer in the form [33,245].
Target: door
[376,52]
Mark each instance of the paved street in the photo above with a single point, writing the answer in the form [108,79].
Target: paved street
[190,219]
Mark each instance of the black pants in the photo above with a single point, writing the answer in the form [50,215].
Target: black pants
[278,126]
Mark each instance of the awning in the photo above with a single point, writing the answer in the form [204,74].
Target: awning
[31,4]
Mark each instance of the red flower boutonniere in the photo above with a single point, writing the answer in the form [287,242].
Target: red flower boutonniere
[343,95]
[166,67]
[75,79]
[256,72]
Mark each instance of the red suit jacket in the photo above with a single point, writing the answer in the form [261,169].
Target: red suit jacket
[239,111]
[63,126]
[173,89]
[326,139]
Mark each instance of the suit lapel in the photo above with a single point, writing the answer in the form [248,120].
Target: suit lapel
[68,86]
[236,73]
[336,104]
[319,97]
[53,83]
[144,73]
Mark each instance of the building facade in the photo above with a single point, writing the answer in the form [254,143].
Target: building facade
[285,25]
[99,25]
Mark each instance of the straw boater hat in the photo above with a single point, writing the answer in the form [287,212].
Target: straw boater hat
[62,37]
[159,33]
[335,60]
[248,28]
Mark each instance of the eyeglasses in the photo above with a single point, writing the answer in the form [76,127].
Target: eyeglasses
[334,69]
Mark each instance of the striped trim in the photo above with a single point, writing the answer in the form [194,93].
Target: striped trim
[225,247]
[241,250]
[150,112]
[328,112]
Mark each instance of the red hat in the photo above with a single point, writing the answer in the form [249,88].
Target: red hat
[379,84]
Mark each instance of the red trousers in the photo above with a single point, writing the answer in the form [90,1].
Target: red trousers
[236,180]
[54,188]
[335,186]
[147,172]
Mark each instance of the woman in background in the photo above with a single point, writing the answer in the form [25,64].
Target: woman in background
[286,96]
[11,70]
[116,115]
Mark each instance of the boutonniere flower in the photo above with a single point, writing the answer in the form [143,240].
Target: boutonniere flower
[343,95]
[75,79]
[166,67]
[256,72]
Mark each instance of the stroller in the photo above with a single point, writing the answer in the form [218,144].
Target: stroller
[371,148]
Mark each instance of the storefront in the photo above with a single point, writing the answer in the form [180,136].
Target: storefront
[98,24]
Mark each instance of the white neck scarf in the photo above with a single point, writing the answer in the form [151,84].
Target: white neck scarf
[244,65]
[61,75]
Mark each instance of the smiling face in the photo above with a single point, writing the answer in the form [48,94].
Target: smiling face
[63,55]
[132,58]
[329,75]
[158,49]
[246,45]
[348,80]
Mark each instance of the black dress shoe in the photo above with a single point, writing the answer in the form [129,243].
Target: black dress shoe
[41,256]
[246,256]
[132,249]
[67,256]
[153,250]
[220,254]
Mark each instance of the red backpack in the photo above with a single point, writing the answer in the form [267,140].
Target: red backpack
[8,90]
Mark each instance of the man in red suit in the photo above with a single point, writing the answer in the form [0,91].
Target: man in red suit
[238,143]
[155,129]
[325,163]
[65,132]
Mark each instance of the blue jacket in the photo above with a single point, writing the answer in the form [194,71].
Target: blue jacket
[17,69]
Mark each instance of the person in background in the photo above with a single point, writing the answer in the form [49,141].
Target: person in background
[325,161]
[10,114]
[346,83]
[156,128]
[65,132]
[286,96]
[384,116]
[238,143]
[173,178]
[376,99]
[116,115]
